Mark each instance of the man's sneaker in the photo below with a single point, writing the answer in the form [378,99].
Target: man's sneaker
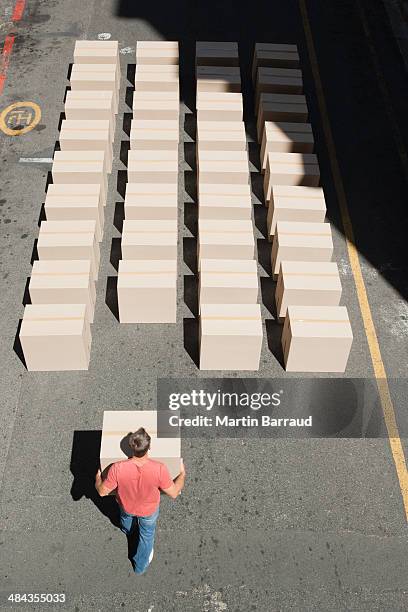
[151,556]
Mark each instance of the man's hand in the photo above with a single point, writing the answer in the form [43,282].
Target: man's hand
[100,486]
[178,483]
[182,467]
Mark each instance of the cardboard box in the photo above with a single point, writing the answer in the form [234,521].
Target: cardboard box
[281,137]
[96,77]
[293,169]
[154,135]
[220,138]
[157,44]
[90,96]
[70,246]
[212,72]
[217,83]
[149,239]
[151,201]
[301,242]
[222,167]
[219,125]
[223,172]
[90,108]
[153,166]
[88,140]
[280,111]
[142,245]
[73,207]
[129,421]
[162,449]
[277,80]
[97,70]
[157,52]
[63,282]
[219,106]
[219,96]
[307,283]
[115,430]
[142,69]
[150,225]
[103,46]
[228,281]
[147,291]
[156,96]
[80,167]
[229,201]
[227,190]
[227,207]
[78,226]
[96,56]
[158,57]
[222,111]
[77,267]
[217,53]
[274,55]
[152,189]
[72,266]
[86,125]
[222,156]
[316,339]
[218,78]
[156,109]
[150,205]
[228,245]
[223,226]
[294,203]
[82,189]
[98,52]
[147,78]
[55,337]
[230,336]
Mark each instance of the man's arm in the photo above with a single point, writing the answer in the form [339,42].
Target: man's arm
[101,488]
[178,484]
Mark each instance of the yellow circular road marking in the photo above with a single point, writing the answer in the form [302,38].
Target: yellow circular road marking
[19,118]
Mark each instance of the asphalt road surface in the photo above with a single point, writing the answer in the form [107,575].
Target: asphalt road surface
[263,524]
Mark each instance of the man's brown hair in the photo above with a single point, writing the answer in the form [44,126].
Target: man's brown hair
[139,442]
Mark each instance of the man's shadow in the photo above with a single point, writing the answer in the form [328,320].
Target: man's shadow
[84,464]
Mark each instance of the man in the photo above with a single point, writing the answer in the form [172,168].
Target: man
[138,482]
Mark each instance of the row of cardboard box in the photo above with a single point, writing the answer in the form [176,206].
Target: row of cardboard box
[317,335]
[230,325]
[286,138]
[216,53]
[215,201]
[55,333]
[147,287]
[308,244]
[315,338]
[155,123]
[147,274]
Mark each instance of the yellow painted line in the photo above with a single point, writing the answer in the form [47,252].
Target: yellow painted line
[27,114]
[374,347]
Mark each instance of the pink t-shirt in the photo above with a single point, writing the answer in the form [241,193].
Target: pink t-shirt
[137,486]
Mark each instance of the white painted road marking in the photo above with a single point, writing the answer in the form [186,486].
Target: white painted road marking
[35,160]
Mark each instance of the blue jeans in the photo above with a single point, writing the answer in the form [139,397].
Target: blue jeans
[146,526]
